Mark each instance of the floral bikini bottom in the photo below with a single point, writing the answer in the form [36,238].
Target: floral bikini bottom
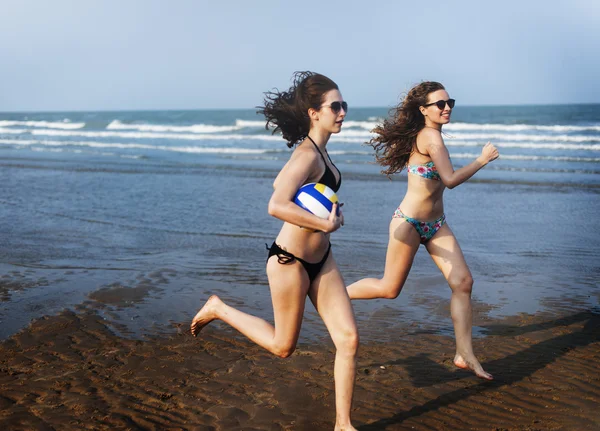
[425,229]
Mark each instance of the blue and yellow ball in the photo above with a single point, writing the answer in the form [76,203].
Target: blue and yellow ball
[316,198]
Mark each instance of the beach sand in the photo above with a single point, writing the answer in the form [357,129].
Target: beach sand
[72,371]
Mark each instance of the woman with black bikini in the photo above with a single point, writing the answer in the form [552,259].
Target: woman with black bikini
[300,261]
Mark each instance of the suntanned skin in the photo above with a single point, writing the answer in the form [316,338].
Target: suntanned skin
[424,201]
[289,284]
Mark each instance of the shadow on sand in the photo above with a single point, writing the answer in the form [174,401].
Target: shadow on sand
[425,371]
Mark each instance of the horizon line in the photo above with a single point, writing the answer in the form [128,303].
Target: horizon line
[57,111]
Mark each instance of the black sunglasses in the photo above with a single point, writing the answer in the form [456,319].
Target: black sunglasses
[336,107]
[441,104]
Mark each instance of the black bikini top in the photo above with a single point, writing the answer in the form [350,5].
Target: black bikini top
[328,177]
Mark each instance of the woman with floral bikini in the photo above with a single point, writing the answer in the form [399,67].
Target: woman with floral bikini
[412,139]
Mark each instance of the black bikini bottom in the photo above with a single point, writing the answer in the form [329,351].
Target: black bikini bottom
[285,257]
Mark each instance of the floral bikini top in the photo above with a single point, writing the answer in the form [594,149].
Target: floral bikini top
[426,170]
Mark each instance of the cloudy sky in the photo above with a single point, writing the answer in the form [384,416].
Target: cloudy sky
[181,54]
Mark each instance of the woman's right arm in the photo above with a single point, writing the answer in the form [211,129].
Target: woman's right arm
[281,205]
[451,178]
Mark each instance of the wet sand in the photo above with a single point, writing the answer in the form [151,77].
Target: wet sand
[72,372]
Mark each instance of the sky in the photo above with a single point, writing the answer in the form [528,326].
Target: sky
[206,54]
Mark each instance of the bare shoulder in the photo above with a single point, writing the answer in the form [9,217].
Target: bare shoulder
[298,167]
[304,155]
[429,138]
[429,133]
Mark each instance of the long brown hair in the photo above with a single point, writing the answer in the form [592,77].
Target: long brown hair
[287,111]
[397,136]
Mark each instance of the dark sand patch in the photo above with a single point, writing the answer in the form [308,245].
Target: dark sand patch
[70,372]
[121,296]
[16,281]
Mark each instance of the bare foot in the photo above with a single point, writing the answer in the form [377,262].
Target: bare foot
[473,365]
[206,315]
[344,428]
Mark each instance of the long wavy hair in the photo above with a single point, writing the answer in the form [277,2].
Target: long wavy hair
[397,136]
[287,111]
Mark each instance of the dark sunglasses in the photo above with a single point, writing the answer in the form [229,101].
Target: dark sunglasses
[336,107]
[441,104]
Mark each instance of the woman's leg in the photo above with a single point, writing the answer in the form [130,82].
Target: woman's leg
[328,295]
[448,256]
[403,244]
[289,286]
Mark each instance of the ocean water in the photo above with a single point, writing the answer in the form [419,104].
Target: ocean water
[144,214]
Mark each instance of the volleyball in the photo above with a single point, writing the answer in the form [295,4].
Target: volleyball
[316,198]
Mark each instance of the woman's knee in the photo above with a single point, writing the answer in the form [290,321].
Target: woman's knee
[390,293]
[390,289]
[284,349]
[347,342]
[461,283]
